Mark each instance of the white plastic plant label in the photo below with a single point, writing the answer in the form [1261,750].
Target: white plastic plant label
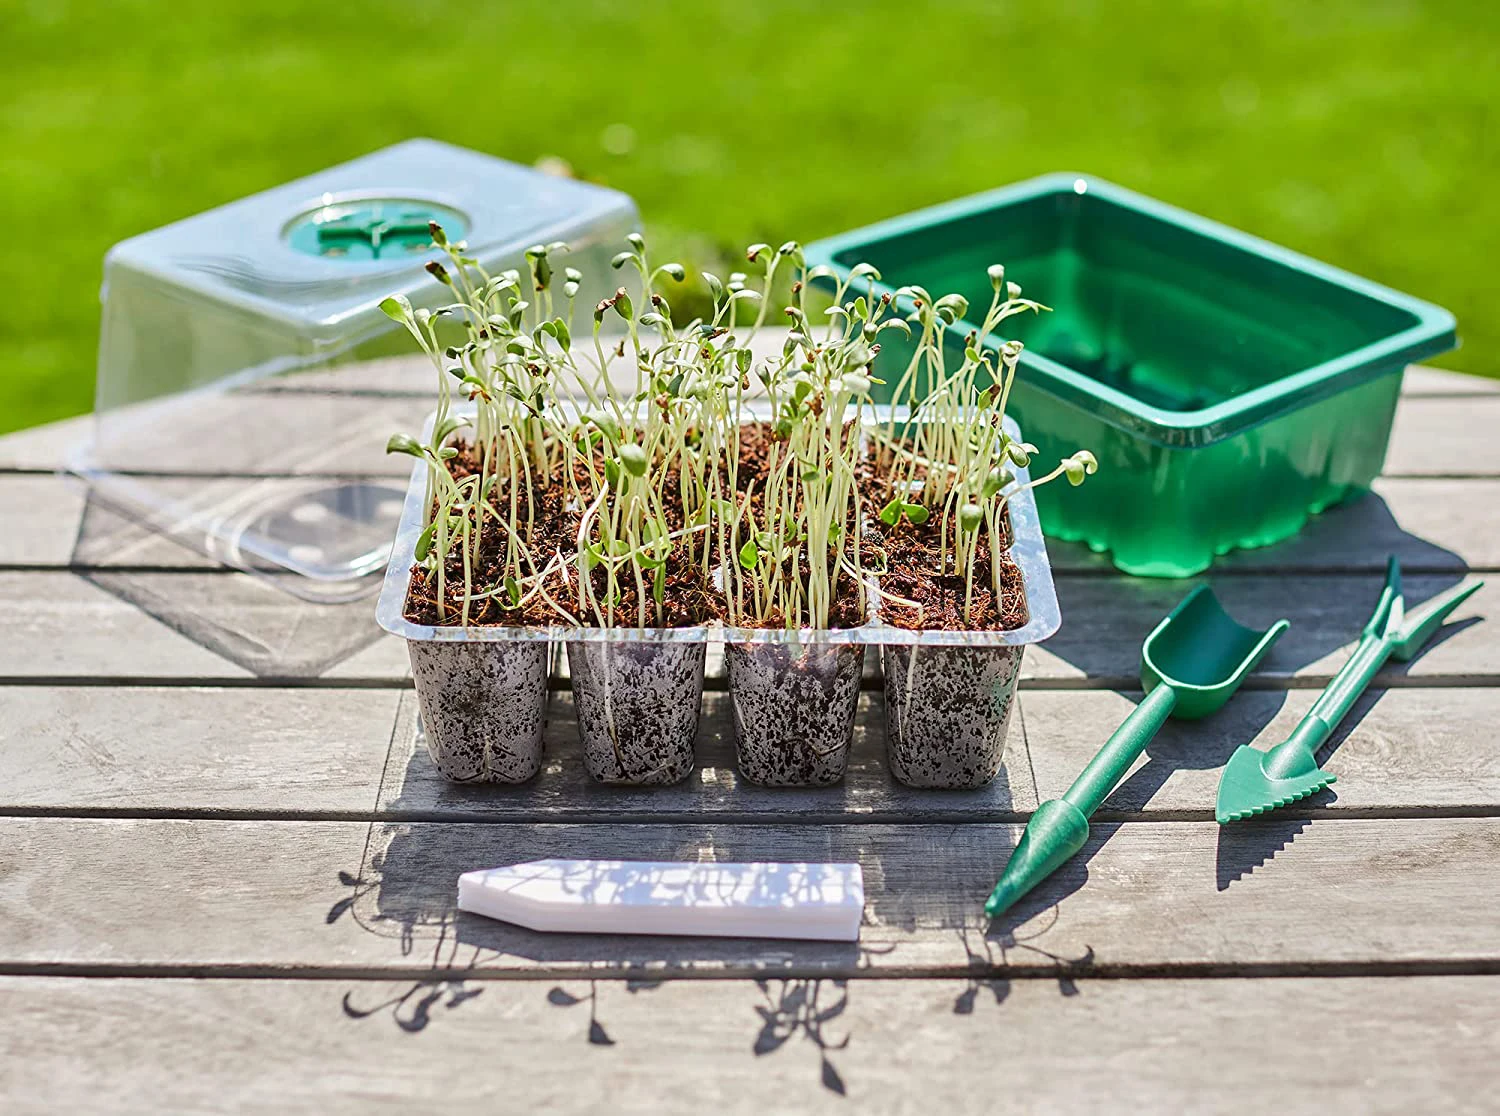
[821,902]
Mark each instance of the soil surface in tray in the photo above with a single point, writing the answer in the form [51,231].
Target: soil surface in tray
[910,554]
[687,600]
[906,552]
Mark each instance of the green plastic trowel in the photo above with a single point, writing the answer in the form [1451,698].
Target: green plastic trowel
[1191,664]
[1255,781]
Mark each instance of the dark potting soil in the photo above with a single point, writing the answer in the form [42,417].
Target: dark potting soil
[754,455]
[910,555]
[687,600]
[845,611]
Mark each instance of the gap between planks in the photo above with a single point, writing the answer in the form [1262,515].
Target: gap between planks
[1206,971]
[1293,812]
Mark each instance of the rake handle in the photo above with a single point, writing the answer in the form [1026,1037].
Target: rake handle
[1343,691]
[1111,762]
[1289,757]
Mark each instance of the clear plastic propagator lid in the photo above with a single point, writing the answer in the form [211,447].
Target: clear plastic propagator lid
[248,379]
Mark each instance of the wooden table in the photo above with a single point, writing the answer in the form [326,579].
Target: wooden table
[227,869]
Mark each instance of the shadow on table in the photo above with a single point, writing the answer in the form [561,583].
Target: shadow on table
[406,888]
[248,620]
[1353,537]
[1107,615]
[1257,587]
[714,790]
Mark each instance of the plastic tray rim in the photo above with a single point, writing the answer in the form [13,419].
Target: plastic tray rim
[1433,331]
[1028,550]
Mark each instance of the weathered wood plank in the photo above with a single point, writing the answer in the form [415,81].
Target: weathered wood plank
[215,626]
[1280,895]
[408,374]
[1420,380]
[254,434]
[383,659]
[1445,436]
[204,626]
[60,625]
[44,448]
[267,752]
[1403,749]
[110,535]
[259,752]
[1432,524]
[1105,620]
[41,514]
[286,1046]
[252,624]
[187,749]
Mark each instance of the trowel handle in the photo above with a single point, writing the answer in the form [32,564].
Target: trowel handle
[1380,633]
[1112,761]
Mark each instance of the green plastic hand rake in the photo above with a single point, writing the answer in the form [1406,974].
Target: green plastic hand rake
[1255,782]
[1191,664]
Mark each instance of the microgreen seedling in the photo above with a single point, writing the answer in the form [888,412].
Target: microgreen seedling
[954,457]
[645,460]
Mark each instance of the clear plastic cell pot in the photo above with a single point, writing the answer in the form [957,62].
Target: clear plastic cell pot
[1193,360]
[949,694]
[794,707]
[947,711]
[637,692]
[245,390]
[793,692]
[637,703]
[484,708]
[946,727]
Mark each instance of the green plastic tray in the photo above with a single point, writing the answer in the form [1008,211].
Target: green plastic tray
[1229,388]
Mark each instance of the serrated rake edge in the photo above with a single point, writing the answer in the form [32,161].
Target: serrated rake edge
[1284,800]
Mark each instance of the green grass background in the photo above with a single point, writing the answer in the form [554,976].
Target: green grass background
[1363,132]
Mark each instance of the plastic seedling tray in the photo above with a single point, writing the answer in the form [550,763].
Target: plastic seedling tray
[483,689]
[1229,388]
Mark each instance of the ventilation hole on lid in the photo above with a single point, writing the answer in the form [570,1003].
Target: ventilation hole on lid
[310,513]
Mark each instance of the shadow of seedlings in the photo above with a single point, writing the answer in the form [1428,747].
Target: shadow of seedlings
[558,996]
[994,955]
[411,1009]
[801,1007]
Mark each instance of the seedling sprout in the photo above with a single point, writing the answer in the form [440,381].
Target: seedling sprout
[648,464]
